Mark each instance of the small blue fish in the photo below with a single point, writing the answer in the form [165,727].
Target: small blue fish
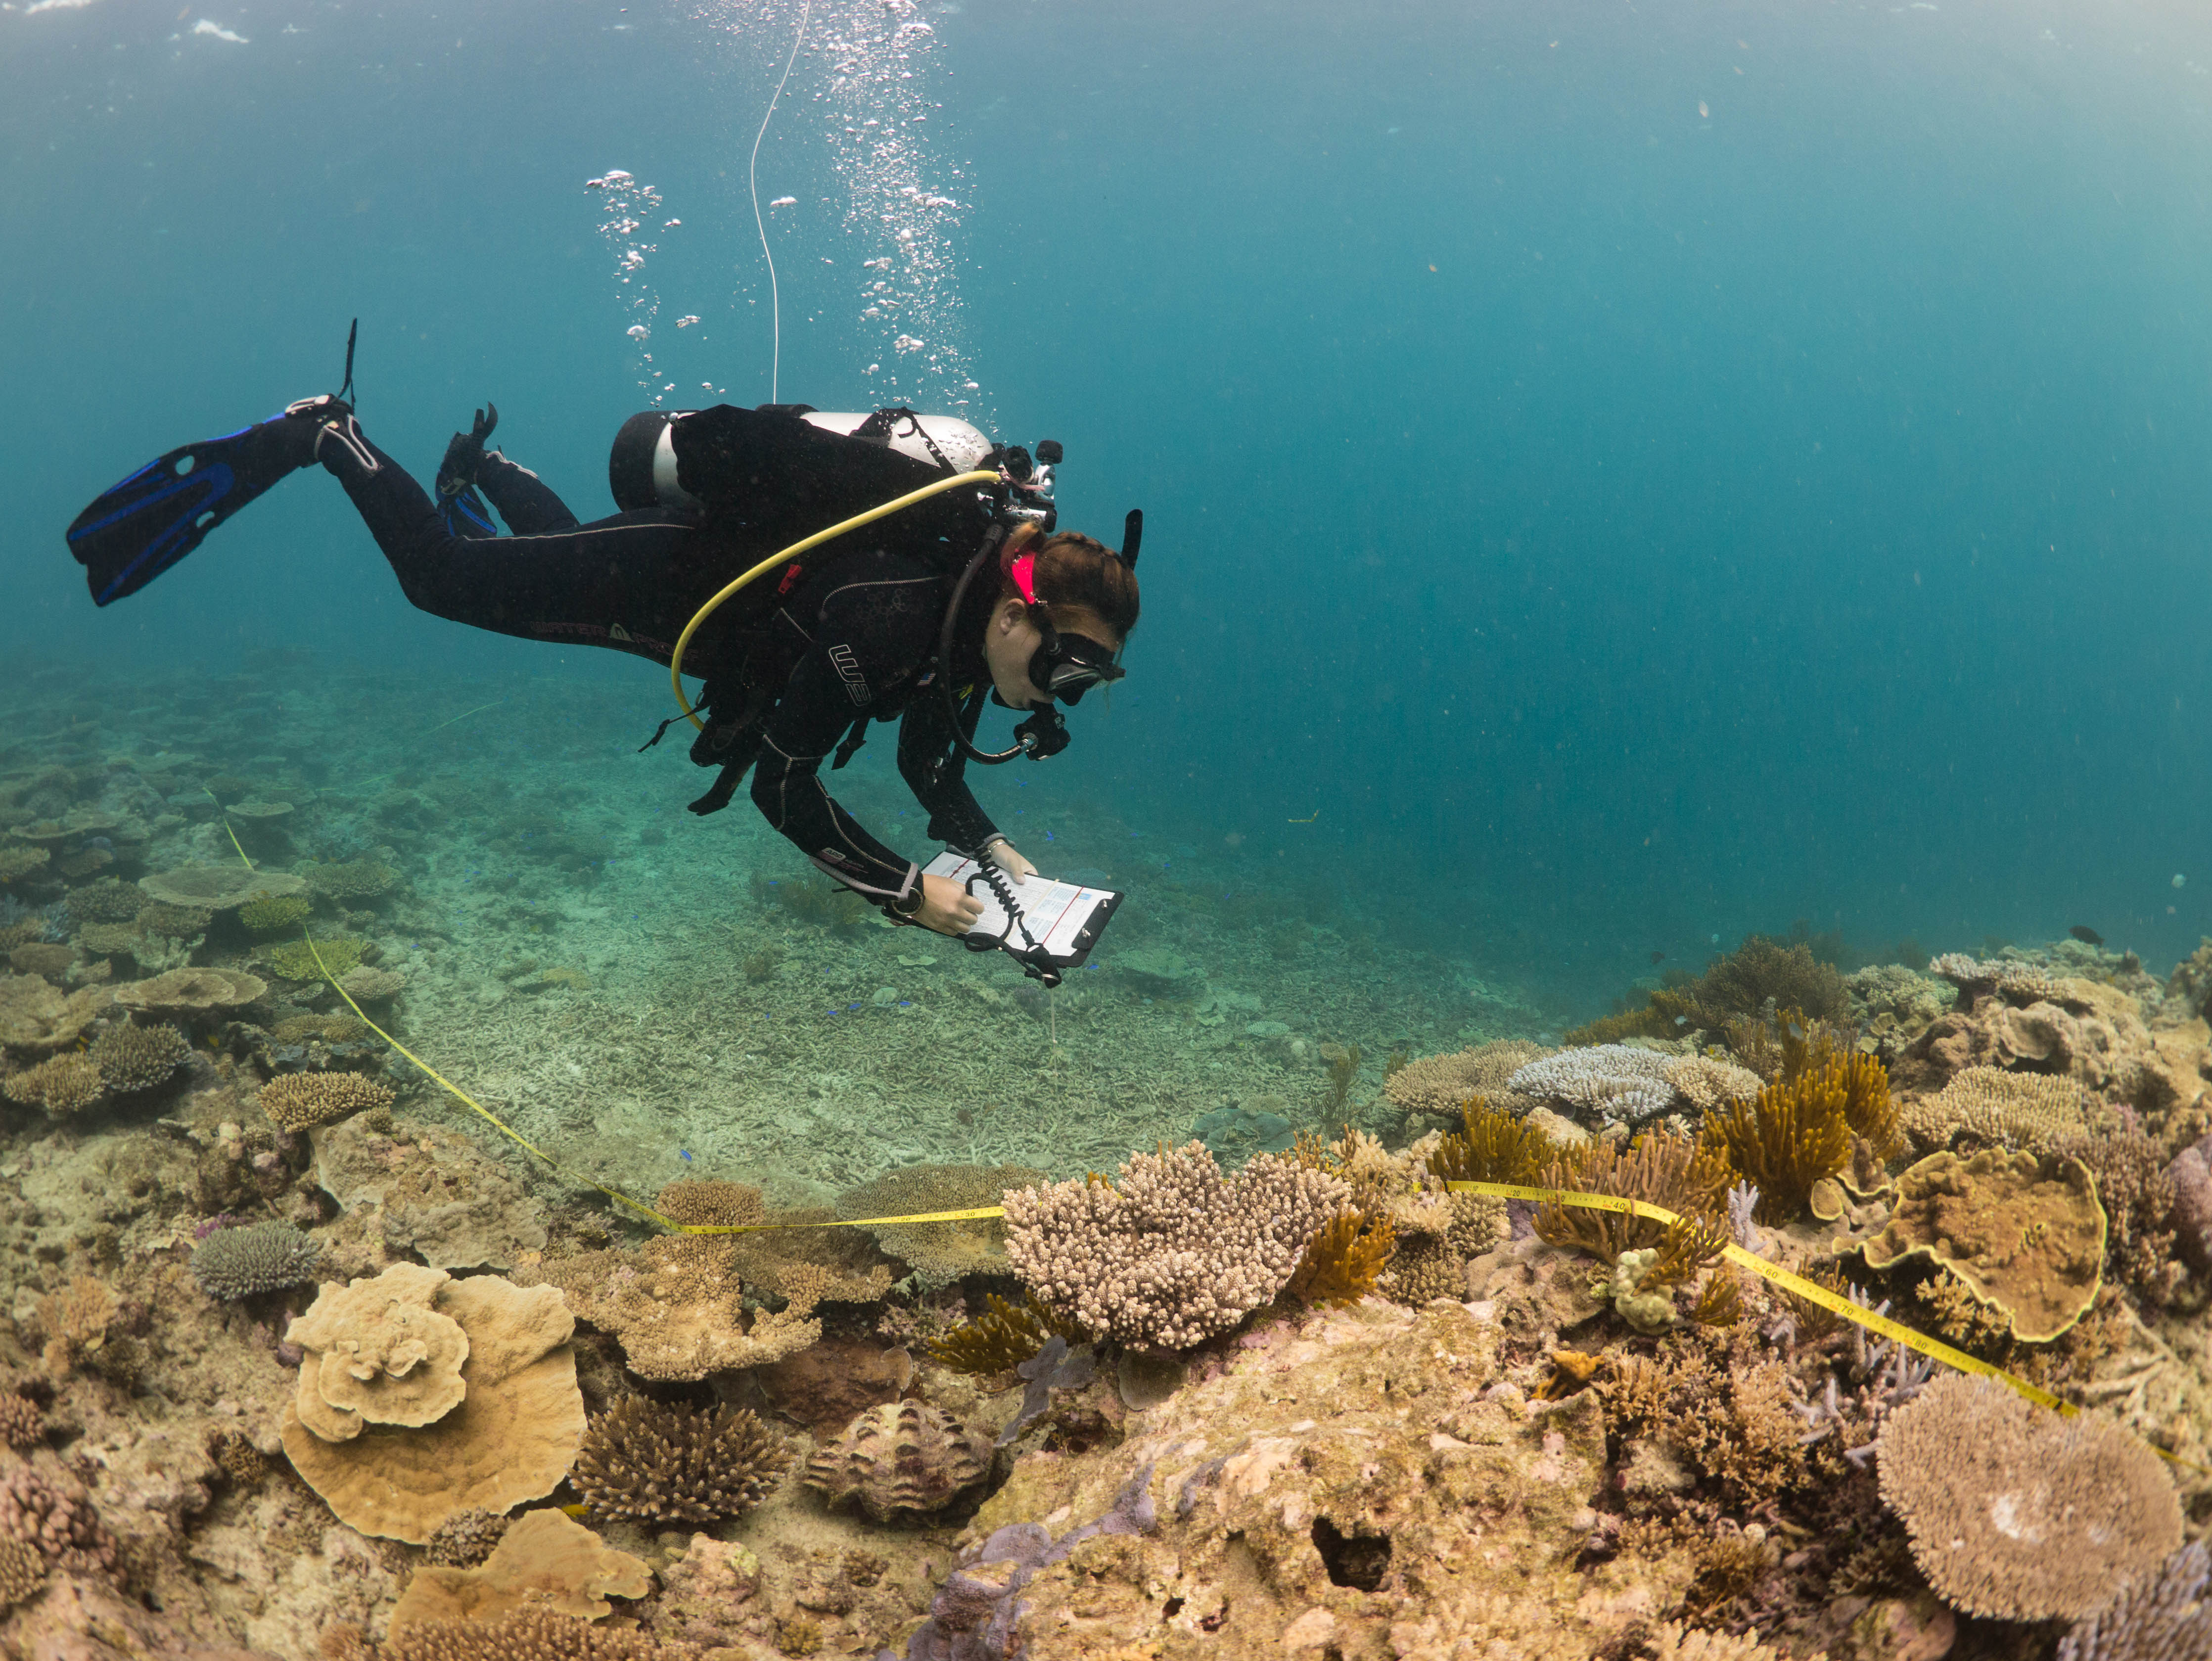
[685,1154]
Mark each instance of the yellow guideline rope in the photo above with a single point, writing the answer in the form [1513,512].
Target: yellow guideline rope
[225,817]
[882,510]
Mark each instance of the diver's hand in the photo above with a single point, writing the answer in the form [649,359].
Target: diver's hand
[1008,858]
[465,453]
[947,907]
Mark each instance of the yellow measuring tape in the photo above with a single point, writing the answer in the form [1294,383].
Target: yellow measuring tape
[881,511]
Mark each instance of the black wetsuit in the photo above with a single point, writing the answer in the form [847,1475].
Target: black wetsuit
[851,642]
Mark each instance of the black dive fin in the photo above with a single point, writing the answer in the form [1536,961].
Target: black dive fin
[137,529]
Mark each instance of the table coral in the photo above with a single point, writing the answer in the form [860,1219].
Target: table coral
[217,887]
[2018,1109]
[2016,1513]
[513,1437]
[38,1018]
[1601,1083]
[2166,1616]
[1171,1253]
[1440,1086]
[192,991]
[2029,1241]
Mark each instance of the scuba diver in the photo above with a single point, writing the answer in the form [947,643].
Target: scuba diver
[885,622]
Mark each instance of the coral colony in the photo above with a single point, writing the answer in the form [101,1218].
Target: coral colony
[306,1359]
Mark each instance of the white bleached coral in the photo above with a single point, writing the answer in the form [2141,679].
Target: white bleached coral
[1173,1252]
[1602,1081]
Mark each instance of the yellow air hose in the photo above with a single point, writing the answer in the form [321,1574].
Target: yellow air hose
[881,511]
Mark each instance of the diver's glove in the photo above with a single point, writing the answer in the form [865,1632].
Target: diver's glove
[464,454]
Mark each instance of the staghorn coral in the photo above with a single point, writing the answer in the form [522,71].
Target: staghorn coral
[905,1460]
[525,1634]
[463,1540]
[1601,1084]
[135,1058]
[939,1254]
[997,1340]
[543,1561]
[1784,1140]
[1732,1425]
[513,1437]
[652,1462]
[56,1516]
[1660,1169]
[22,1424]
[2018,1109]
[350,880]
[1171,1253]
[1439,1086]
[2163,1616]
[300,1101]
[2016,1513]
[1341,1260]
[676,1306]
[58,1087]
[232,1264]
[2028,1240]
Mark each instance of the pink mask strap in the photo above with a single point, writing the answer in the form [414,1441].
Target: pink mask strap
[1022,572]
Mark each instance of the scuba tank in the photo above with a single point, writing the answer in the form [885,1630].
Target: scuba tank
[729,459]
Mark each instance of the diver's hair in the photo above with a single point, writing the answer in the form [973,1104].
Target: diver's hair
[1083,573]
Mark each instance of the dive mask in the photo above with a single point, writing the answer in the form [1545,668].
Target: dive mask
[1064,665]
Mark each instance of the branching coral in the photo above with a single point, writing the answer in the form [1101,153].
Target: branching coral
[296,960]
[1171,1253]
[2018,1109]
[652,1462]
[463,1540]
[1490,1147]
[525,1634]
[243,1263]
[1784,1140]
[1341,1262]
[2016,1513]
[300,1101]
[2165,1616]
[1684,1177]
[22,1424]
[1001,1338]
[272,914]
[135,1058]
[1732,1424]
[58,1087]
[1762,973]
[1603,1083]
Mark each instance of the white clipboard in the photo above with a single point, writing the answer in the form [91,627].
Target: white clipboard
[1064,920]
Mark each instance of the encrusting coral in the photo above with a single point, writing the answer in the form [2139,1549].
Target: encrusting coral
[511,1437]
[544,1562]
[2017,1513]
[676,1306]
[2028,1240]
[232,1264]
[905,1460]
[654,1462]
[1171,1253]
[939,1254]
[300,1101]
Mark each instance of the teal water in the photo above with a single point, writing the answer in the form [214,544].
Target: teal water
[1615,477]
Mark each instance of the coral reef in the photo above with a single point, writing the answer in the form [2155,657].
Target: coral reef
[677,1307]
[1171,1253]
[232,1264]
[513,1416]
[2028,1241]
[192,992]
[301,1101]
[350,880]
[1601,1084]
[1440,1086]
[217,887]
[2017,1513]
[1342,1260]
[1791,1135]
[653,1461]
[906,1459]
[2014,1110]
[432,1192]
